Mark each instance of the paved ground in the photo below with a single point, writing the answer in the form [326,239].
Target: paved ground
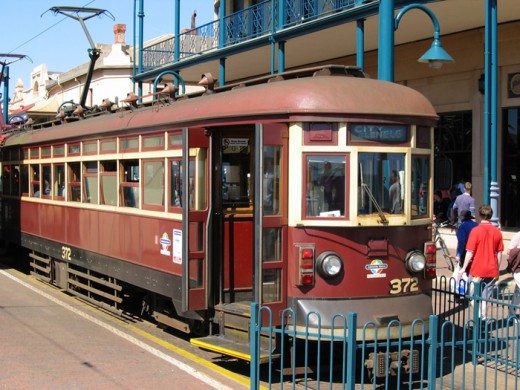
[51,341]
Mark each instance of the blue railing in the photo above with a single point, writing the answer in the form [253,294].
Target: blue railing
[446,352]
[252,22]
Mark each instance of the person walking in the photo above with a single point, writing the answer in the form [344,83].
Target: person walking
[484,253]
[465,228]
[463,202]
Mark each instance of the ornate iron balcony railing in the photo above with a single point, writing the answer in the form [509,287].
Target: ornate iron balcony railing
[249,23]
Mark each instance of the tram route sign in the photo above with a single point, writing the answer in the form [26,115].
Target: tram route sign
[378,132]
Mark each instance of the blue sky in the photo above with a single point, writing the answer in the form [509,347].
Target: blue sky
[59,41]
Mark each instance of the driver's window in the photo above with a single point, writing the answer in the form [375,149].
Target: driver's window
[381,186]
[325,186]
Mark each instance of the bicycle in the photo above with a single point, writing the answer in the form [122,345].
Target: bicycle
[441,244]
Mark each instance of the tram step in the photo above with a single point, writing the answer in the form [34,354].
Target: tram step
[222,345]
[233,316]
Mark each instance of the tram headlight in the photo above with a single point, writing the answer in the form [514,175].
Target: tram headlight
[329,265]
[415,261]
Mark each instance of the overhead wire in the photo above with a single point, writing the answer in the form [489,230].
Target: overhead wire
[44,31]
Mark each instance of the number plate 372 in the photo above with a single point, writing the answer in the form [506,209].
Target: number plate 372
[403,286]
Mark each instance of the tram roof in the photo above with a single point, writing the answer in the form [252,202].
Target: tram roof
[319,98]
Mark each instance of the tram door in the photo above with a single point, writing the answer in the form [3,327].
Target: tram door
[247,260]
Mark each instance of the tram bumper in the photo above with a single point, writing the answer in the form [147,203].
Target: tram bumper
[377,318]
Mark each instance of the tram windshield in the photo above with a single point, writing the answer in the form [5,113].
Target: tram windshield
[382,186]
[325,195]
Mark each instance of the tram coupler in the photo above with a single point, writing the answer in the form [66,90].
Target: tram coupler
[390,362]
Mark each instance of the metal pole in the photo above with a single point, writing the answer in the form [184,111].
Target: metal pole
[360,43]
[487,104]
[140,15]
[494,187]
[176,42]
[5,77]
[221,25]
[385,64]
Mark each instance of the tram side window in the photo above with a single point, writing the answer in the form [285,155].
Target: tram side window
[197,171]
[153,192]
[15,179]
[381,183]
[35,180]
[325,186]
[6,180]
[24,179]
[59,181]
[129,186]
[46,183]
[420,181]
[175,183]
[108,182]
[271,191]
[74,194]
[90,182]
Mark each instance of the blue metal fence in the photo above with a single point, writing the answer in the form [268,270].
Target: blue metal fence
[452,349]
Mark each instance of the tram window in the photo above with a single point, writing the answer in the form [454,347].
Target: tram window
[129,183]
[90,182]
[59,181]
[381,183]
[271,282]
[153,192]
[35,180]
[25,153]
[271,180]
[90,147]
[272,244]
[74,149]
[108,146]
[153,142]
[24,179]
[420,181]
[35,153]
[74,170]
[175,140]
[15,180]
[175,183]
[325,186]
[6,180]
[46,152]
[198,174]
[129,144]
[236,172]
[58,151]
[46,183]
[108,182]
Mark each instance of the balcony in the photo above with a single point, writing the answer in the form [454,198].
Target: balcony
[247,25]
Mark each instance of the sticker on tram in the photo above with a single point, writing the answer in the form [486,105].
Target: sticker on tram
[177,246]
[376,267]
[165,244]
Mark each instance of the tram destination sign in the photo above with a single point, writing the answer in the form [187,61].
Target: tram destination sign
[378,133]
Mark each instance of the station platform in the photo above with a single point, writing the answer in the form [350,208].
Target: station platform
[50,340]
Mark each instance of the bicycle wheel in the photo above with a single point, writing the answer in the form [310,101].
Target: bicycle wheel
[446,255]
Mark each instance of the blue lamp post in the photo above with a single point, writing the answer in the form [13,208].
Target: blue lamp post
[435,56]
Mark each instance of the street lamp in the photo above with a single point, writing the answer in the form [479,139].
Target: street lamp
[435,56]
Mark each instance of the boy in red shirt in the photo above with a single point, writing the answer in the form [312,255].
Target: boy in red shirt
[484,252]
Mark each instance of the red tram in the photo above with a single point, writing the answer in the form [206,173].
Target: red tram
[309,189]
